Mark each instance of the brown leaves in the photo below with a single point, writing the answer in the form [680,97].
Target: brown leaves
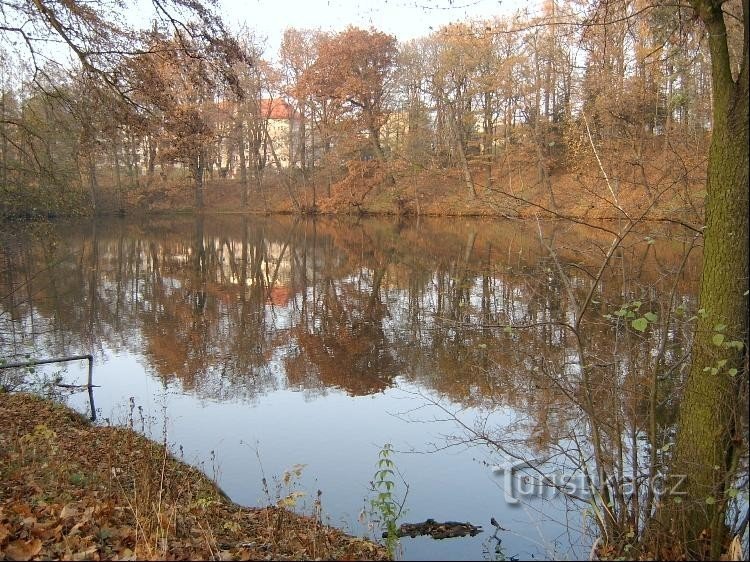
[23,550]
[123,511]
[4,533]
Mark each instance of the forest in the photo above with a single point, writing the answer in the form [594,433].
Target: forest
[508,116]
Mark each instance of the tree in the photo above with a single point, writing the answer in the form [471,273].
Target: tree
[706,448]
[455,60]
[96,35]
[354,68]
[178,82]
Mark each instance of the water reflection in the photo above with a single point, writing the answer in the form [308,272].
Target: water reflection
[237,310]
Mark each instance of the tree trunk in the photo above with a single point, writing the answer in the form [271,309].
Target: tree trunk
[4,135]
[459,144]
[133,164]
[93,184]
[151,157]
[198,167]
[118,175]
[706,434]
[243,165]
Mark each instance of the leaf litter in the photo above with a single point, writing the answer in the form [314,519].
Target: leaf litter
[71,490]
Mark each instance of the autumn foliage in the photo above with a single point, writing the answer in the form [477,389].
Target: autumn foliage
[584,110]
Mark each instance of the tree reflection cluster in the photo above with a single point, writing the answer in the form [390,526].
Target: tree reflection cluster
[354,305]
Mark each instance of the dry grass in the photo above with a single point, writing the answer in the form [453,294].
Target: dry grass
[71,490]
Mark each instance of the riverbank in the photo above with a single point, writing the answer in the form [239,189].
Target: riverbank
[73,490]
[618,182]
[577,195]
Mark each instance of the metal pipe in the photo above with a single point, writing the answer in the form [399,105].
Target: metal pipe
[32,362]
[88,357]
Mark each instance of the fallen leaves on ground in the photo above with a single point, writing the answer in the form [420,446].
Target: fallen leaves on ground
[73,491]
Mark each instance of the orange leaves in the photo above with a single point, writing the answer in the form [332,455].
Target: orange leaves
[50,530]
[361,178]
[353,71]
[353,65]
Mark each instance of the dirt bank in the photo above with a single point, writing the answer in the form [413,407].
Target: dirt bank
[75,491]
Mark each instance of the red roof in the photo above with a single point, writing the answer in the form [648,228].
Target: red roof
[279,296]
[276,109]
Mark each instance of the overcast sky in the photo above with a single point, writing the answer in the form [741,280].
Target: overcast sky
[406,19]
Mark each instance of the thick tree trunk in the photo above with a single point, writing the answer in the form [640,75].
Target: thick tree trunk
[706,437]
[459,145]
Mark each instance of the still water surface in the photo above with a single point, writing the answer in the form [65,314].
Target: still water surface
[257,344]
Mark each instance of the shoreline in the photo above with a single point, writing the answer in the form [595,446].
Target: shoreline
[72,489]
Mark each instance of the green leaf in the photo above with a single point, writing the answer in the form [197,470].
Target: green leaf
[732,492]
[639,324]
[636,305]
[721,362]
[621,312]
[718,339]
[732,372]
[677,499]
[650,316]
[714,371]
[720,327]
[710,500]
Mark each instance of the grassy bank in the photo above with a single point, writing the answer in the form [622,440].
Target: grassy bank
[72,490]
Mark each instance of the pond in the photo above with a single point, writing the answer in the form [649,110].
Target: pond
[259,346]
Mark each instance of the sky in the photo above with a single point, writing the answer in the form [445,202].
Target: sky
[406,19]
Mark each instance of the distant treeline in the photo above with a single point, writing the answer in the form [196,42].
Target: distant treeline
[343,116]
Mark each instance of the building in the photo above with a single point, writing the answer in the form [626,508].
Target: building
[282,124]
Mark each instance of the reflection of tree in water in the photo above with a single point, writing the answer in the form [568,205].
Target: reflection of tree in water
[213,302]
[346,345]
